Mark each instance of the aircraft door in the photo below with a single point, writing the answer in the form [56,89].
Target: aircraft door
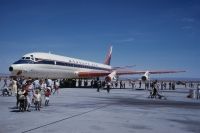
[32,58]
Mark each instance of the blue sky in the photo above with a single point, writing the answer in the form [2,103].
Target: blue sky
[153,34]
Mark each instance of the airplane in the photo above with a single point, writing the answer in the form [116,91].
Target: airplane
[52,66]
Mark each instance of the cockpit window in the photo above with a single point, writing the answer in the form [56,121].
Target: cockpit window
[24,62]
[26,58]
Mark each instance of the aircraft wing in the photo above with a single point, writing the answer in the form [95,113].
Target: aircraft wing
[88,74]
[126,72]
[165,71]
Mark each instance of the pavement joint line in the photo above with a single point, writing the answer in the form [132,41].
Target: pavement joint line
[76,115]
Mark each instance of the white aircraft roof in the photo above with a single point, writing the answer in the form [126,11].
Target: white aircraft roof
[55,57]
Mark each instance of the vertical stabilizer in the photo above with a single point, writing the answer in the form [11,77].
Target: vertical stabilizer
[108,56]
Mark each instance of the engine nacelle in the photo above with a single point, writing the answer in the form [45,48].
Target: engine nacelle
[111,77]
[145,77]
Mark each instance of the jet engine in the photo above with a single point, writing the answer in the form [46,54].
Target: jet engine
[145,77]
[111,77]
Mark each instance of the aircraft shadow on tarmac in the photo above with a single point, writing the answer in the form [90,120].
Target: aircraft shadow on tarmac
[122,101]
[150,102]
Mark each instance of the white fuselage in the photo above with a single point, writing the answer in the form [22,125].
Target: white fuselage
[47,65]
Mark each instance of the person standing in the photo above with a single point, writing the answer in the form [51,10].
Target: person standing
[56,86]
[170,85]
[154,89]
[5,83]
[92,84]
[121,84]
[36,84]
[37,97]
[47,94]
[198,91]
[116,84]
[133,84]
[140,84]
[108,87]
[98,85]
[22,100]
[29,88]
[14,86]
[42,87]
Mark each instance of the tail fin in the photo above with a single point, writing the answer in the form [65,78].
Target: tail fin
[108,56]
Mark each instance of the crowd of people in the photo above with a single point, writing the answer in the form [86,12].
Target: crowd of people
[37,92]
[30,92]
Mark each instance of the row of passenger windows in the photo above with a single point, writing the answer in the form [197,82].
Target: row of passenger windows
[58,63]
[78,65]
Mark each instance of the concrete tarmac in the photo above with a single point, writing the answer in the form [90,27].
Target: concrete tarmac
[78,110]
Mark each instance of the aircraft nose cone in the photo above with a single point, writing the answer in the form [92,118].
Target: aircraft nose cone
[10,68]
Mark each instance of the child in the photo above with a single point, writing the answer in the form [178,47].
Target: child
[37,97]
[47,94]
